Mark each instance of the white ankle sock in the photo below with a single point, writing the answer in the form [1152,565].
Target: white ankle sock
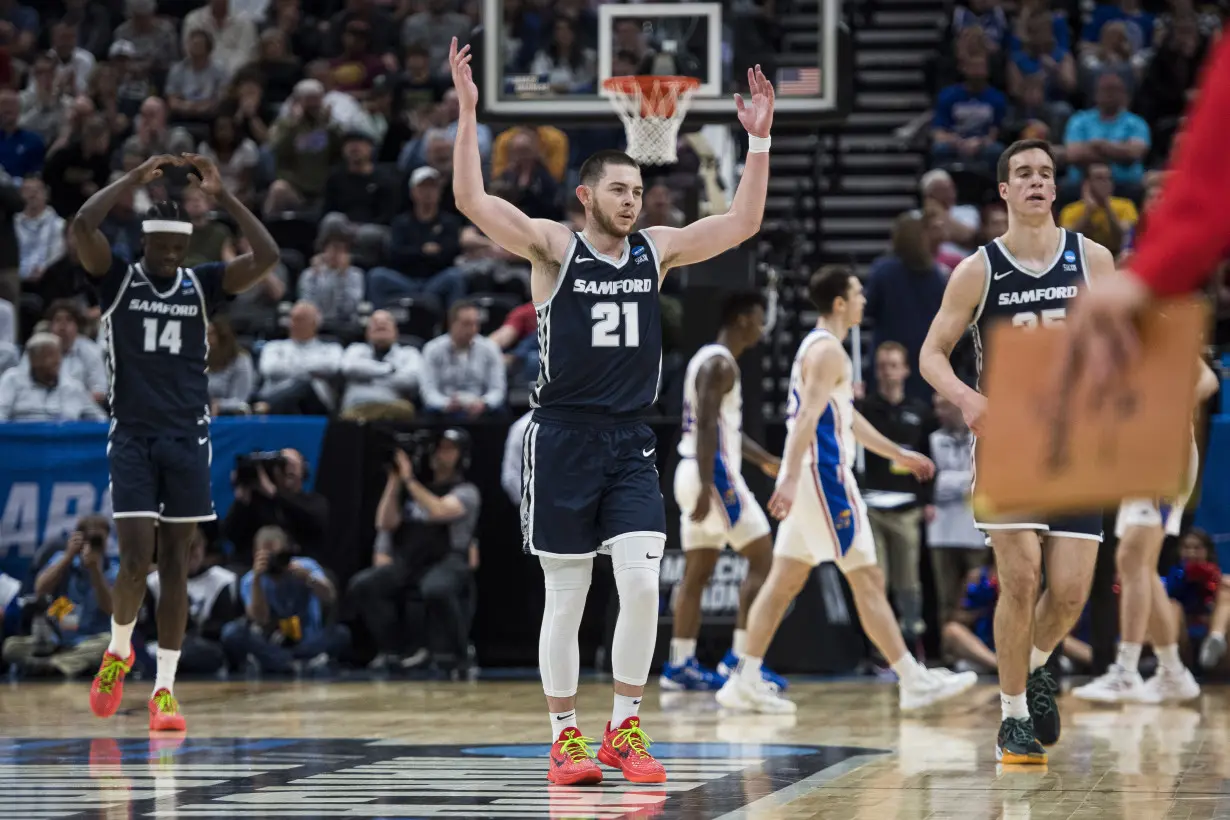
[1013,706]
[1037,659]
[625,707]
[739,643]
[682,650]
[908,669]
[749,668]
[1168,658]
[1129,656]
[561,721]
[121,639]
[168,662]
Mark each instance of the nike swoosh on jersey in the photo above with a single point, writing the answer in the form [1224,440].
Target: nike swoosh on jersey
[202,440]
[585,259]
[649,452]
[999,276]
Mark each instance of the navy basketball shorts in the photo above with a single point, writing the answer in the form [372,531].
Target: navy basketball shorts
[161,477]
[586,483]
[1086,527]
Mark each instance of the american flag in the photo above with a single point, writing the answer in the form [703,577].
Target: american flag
[798,82]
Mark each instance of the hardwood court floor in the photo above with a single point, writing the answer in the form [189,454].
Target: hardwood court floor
[403,749]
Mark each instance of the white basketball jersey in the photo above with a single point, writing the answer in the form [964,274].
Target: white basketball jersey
[730,413]
[835,429]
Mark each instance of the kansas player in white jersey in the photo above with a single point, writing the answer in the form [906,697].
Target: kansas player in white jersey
[716,507]
[823,515]
[1026,277]
[155,318]
[1144,607]
[589,478]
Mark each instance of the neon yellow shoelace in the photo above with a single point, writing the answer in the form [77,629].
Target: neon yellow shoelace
[166,703]
[634,738]
[577,748]
[110,673]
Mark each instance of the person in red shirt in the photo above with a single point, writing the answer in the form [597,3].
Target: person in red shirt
[518,338]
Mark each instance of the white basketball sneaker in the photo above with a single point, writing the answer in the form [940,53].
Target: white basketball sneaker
[933,686]
[1117,685]
[1167,686]
[739,694]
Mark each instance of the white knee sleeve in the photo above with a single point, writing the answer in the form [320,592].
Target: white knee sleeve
[637,562]
[559,656]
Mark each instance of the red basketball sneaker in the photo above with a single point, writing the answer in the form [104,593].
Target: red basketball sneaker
[571,764]
[164,713]
[107,690]
[627,749]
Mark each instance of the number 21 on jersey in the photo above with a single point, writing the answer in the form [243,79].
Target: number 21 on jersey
[607,331]
[1049,318]
[168,338]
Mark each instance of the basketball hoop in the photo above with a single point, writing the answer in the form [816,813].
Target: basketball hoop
[652,109]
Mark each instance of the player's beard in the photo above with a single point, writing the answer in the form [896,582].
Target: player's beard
[607,225]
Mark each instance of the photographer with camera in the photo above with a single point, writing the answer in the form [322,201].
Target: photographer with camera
[285,599]
[72,617]
[425,552]
[269,493]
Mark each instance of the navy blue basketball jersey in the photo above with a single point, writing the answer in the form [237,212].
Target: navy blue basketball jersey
[600,333]
[1028,298]
[154,341]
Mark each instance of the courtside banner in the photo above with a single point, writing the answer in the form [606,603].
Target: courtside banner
[51,474]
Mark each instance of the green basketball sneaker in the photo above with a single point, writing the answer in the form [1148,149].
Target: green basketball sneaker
[1016,742]
[1040,691]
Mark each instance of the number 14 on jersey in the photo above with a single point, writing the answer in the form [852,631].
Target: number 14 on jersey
[168,339]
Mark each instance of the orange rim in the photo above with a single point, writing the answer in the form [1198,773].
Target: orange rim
[658,93]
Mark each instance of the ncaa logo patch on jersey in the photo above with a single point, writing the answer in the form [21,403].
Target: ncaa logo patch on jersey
[1069,256]
[638,253]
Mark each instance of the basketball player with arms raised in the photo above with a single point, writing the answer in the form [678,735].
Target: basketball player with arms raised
[589,480]
[1144,607]
[1028,277]
[823,516]
[155,315]
[716,507]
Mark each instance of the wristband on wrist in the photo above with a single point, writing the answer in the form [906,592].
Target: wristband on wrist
[758,145]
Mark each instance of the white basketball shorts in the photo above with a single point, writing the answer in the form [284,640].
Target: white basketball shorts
[828,521]
[737,520]
[1145,512]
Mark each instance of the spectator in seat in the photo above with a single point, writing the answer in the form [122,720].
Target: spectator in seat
[153,136]
[435,27]
[213,602]
[379,23]
[1137,24]
[530,186]
[895,526]
[424,548]
[11,203]
[77,170]
[960,221]
[104,92]
[435,147]
[956,546]
[994,222]
[988,16]
[416,90]
[195,84]
[24,24]
[233,35]
[1030,116]
[333,284]
[423,247]
[1113,55]
[21,151]
[968,117]
[211,240]
[1042,55]
[518,338]
[299,371]
[44,103]
[904,290]
[275,497]
[1170,80]
[356,67]
[122,227]
[305,144]
[285,597]
[74,64]
[236,156]
[153,38]
[37,391]
[381,375]
[246,104]
[40,231]
[356,195]
[1099,214]
[135,81]
[566,63]
[231,375]
[66,279]
[92,22]
[81,356]
[71,636]
[659,207]
[254,312]
[1110,134]
[464,372]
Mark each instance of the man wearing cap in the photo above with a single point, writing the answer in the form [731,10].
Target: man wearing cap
[423,248]
[155,313]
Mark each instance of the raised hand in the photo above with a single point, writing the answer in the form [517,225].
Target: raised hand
[756,115]
[204,173]
[463,77]
[151,169]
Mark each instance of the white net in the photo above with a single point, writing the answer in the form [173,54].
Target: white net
[652,118]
